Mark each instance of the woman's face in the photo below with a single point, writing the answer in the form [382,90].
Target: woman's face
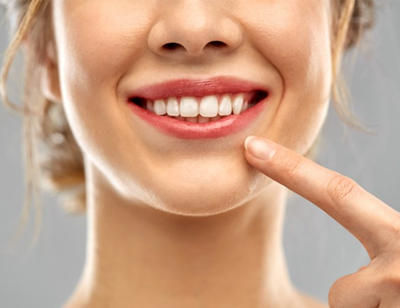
[106,50]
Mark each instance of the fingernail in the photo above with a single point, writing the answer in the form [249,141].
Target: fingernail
[259,148]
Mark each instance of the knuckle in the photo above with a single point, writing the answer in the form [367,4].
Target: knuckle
[393,283]
[395,229]
[342,188]
[390,282]
[335,295]
[386,273]
[390,286]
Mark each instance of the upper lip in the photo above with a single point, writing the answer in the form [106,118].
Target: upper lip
[197,87]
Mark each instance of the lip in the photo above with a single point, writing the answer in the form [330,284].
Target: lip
[198,88]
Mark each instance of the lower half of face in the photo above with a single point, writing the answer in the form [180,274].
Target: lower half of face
[106,50]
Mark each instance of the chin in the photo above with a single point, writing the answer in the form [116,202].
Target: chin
[205,196]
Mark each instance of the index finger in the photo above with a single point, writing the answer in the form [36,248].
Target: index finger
[371,221]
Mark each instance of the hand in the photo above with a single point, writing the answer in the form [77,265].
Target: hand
[375,224]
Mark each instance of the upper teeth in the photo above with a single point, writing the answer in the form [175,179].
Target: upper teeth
[208,106]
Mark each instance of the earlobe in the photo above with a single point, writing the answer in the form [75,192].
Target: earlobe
[50,83]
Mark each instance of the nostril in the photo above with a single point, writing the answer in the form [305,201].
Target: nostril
[174,46]
[217,44]
[171,46]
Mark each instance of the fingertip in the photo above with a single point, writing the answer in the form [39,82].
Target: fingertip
[260,148]
[247,140]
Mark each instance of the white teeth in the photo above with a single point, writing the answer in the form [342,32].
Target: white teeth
[189,107]
[238,104]
[225,107]
[209,106]
[159,107]
[172,106]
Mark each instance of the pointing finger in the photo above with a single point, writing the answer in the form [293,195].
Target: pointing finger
[370,220]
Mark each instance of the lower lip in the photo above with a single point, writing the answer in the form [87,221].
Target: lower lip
[187,130]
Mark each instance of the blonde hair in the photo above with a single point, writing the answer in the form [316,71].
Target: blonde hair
[51,153]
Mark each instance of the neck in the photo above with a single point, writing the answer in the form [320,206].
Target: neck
[138,256]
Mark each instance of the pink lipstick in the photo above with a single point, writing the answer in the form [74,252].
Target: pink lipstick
[230,124]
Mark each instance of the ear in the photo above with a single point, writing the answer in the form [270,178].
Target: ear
[49,78]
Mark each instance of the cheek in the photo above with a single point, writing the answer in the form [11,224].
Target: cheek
[93,60]
[295,40]
[106,46]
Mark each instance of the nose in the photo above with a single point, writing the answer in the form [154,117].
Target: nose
[193,29]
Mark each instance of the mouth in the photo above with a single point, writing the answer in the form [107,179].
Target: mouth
[199,108]
[210,108]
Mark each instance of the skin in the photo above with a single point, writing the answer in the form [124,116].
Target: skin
[178,223]
[375,224]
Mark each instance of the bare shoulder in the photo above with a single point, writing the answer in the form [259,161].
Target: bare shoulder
[309,302]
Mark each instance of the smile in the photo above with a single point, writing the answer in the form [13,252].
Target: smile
[201,110]
[177,109]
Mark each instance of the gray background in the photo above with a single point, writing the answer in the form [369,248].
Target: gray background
[319,250]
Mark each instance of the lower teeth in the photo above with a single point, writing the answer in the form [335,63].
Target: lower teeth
[198,119]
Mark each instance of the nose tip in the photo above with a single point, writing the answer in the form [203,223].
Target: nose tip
[194,32]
